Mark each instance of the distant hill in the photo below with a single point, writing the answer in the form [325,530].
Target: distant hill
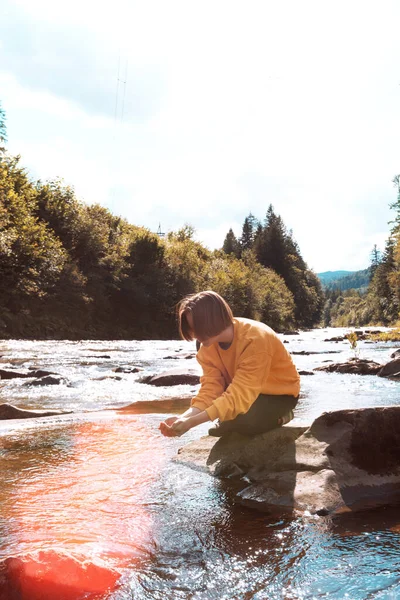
[345,280]
[329,276]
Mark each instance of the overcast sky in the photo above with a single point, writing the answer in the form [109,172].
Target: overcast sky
[227,107]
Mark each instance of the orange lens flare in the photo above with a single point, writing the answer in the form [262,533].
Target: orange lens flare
[80,517]
[49,576]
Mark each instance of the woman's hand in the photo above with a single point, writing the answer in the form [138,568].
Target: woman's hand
[175,426]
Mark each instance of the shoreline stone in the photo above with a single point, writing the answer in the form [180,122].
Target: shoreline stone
[347,460]
[7,411]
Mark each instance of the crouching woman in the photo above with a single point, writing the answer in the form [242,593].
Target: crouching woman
[249,381]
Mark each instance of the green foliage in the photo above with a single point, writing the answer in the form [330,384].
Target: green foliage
[251,290]
[350,309]
[31,258]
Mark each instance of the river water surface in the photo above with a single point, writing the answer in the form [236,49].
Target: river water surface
[93,507]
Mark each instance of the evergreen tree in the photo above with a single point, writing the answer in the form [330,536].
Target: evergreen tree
[249,230]
[231,244]
[383,300]
[276,249]
[3,131]
[375,260]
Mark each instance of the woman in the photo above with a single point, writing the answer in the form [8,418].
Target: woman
[249,381]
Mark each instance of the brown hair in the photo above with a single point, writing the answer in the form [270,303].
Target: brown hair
[211,314]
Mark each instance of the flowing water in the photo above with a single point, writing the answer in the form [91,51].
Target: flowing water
[93,507]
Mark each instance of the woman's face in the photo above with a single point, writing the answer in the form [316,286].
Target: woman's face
[206,341]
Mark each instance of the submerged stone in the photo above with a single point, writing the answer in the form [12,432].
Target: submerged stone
[347,460]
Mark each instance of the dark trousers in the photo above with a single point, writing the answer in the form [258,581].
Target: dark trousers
[263,415]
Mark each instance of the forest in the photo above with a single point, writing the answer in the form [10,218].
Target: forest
[70,270]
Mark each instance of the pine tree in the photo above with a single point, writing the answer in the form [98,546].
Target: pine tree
[375,260]
[231,244]
[249,230]
[276,249]
[383,299]
[3,131]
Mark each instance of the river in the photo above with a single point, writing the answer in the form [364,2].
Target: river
[93,507]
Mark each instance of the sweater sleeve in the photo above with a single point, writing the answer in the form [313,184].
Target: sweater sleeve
[212,383]
[244,389]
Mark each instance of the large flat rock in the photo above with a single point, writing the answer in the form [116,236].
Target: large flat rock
[346,460]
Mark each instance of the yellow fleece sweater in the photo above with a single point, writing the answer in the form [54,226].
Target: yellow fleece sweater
[256,362]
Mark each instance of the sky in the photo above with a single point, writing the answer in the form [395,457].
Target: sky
[175,112]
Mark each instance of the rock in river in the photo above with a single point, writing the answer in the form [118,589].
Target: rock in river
[174,377]
[347,460]
[7,411]
[391,369]
[355,366]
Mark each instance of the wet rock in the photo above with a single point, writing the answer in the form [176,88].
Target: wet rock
[339,338]
[99,356]
[174,377]
[395,354]
[290,333]
[40,373]
[347,460]
[307,353]
[49,380]
[306,373]
[391,369]
[4,374]
[7,411]
[104,377]
[176,356]
[355,366]
[128,370]
[166,405]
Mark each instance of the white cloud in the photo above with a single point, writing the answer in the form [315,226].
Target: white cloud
[228,108]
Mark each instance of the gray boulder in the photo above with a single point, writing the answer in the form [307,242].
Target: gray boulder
[395,354]
[174,377]
[347,460]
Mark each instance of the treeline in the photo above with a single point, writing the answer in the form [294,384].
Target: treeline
[73,270]
[380,303]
